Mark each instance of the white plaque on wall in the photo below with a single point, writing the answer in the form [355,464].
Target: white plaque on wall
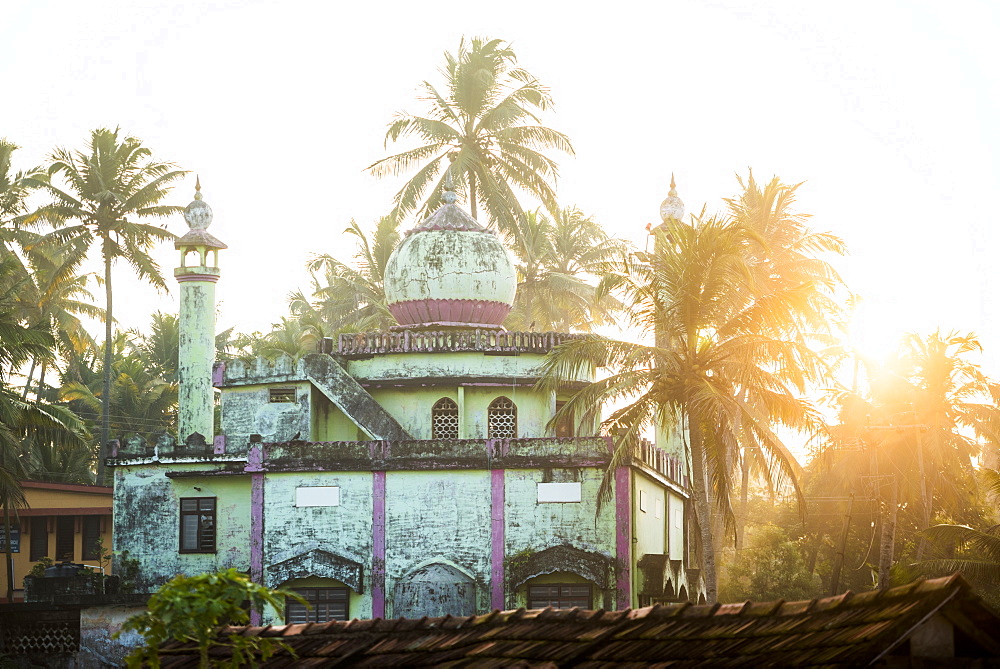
[560,492]
[317,496]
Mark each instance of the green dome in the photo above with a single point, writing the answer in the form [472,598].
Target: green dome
[449,270]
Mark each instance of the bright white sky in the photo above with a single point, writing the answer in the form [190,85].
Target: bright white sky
[890,111]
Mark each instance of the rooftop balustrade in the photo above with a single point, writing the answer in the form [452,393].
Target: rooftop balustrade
[364,344]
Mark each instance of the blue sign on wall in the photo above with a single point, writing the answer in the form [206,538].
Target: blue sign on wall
[15,539]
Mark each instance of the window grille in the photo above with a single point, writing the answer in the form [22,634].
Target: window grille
[39,541]
[559,596]
[281,394]
[502,416]
[325,604]
[197,525]
[65,538]
[444,419]
[91,535]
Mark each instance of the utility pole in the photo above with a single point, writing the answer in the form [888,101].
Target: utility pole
[891,513]
[838,565]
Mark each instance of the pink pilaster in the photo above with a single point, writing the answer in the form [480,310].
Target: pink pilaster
[497,573]
[255,461]
[378,547]
[623,538]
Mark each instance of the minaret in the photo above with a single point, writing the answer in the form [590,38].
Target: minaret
[196,400]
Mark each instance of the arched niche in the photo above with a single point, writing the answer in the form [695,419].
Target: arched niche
[318,563]
[433,590]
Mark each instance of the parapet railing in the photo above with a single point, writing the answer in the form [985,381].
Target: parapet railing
[408,341]
[660,461]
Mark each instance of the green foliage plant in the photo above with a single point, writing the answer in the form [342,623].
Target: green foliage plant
[197,609]
[770,568]
[38,569]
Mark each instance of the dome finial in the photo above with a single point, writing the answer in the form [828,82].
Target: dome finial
[449,196]
[673,206]
[198,214]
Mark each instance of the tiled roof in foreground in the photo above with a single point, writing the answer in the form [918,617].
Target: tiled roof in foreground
[847,630]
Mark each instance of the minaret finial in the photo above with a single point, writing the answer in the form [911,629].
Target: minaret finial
[673,206]
[449,195]
[197,187]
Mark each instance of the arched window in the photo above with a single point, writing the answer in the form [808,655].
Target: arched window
[502,417]
[444,419]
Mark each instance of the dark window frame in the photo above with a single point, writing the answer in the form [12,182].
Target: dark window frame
[90,534]
[65,538]
[322,608]
[38,538]
[566,596]
[283,395]
[206,533]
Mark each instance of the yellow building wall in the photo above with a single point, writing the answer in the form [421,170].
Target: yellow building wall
[62,499]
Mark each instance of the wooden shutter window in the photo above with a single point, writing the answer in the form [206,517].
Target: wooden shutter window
[91,535]
[65,538]
[197,526]
[327,604]
[560,596]
[39,542]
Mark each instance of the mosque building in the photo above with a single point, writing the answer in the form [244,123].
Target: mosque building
[403,473]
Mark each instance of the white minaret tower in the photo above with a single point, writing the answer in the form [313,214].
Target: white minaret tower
[196,398]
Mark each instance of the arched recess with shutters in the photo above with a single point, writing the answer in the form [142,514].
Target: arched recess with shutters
[502,419]
[444,419]
[435,589]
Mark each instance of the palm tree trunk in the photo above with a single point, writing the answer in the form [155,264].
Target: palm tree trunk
[9,559]
[472,193]
[744,502]
[106,393]
[27,381]
[703,509]
[41,383]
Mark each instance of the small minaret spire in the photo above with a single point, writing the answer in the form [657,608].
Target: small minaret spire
[196,398]
[673,206]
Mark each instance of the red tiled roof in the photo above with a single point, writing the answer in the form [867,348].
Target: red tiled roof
[847,630]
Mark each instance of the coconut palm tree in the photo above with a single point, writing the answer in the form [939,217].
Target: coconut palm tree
[142,401]
[14,190]
[54,299]
[104,195]
[484,123]
[20,420]
[559,264]
[350,298]
[718,327]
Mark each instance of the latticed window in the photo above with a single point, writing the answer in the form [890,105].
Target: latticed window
[325,604]
[444,419]
[502,416]
[560,596]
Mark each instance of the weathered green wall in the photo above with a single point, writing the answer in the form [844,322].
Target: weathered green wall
[330,424]
[438,517]
[344,530]
[411,407]
[246,410]
[455,365]
[147,520]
